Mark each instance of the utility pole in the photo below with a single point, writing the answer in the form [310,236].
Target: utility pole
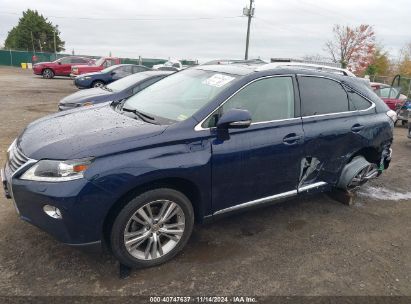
[54,38]
[32,42]
[249,12]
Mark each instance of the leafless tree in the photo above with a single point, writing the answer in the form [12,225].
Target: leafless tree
[352,47]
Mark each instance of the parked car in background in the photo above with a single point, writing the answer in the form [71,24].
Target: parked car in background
[108,75]
[236,61]
[198,144]
[98,65]
[403,113]
[171,65]
[391,96]
[59,67]
[409,124]
[116,90]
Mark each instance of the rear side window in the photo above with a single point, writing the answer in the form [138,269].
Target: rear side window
[137,69]
[322,96]
[357,102]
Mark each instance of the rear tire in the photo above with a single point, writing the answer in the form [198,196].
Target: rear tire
[97,84]
[48,73]
[356,173]
[152,228]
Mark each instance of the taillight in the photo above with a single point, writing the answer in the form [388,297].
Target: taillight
[392,114]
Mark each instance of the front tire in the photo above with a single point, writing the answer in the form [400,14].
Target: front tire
[48,73]
[97,84]
[152,228]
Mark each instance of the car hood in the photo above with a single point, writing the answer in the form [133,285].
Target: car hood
[79,133]
[85,95]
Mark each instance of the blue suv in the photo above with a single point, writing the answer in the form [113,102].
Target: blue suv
[137,174]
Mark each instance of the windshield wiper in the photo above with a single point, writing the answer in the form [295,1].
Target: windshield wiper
[141,115]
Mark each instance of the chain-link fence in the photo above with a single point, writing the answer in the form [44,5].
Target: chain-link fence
[16,58]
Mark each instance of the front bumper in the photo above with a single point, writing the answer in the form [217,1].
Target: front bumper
[82,205]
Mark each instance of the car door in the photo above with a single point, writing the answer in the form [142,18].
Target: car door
[63,68]
[332,131]
[254,164]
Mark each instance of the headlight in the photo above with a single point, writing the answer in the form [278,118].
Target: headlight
[57,171]
[86,77]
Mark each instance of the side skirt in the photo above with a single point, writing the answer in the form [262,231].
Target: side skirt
[273,198]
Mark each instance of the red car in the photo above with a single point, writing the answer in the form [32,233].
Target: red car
[59,67]
[99,64]
[391,96]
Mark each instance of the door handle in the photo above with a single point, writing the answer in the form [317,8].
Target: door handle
[357,128]
[291,139]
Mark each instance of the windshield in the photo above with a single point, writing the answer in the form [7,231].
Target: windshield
[99,61]
[106,70]
[180,95]
[126,82]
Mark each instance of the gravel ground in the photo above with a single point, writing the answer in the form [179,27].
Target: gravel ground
[306,246]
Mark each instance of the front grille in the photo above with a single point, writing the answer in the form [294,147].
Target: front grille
[16,158]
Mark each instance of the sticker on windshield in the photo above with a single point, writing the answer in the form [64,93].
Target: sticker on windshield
[181,117]
[218,80]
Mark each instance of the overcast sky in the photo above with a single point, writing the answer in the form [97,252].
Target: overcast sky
[211,29]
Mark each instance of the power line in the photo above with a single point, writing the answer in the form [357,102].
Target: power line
[134,19]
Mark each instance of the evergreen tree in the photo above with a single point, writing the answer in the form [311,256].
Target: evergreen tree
[34,31]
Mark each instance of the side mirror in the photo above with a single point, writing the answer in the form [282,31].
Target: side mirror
[113,73]
[235,119]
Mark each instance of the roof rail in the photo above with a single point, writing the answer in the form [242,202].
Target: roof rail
[308,66]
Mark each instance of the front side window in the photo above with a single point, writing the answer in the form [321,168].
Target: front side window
[64,60]
[126,82]
[137,69]
[266,99]
[178,96]
[322,96]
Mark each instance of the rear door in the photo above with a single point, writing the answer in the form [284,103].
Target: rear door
[263,160]
[332,130]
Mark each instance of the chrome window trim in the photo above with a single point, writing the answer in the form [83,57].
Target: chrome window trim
[372,106]
[270,198]
[199,127]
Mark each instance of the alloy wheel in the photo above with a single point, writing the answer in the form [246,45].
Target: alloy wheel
[154,230]
[48,74]
[98,84]
[363,176]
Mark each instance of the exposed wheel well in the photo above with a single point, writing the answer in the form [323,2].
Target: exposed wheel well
[184,186]
[97,80]
[370,154]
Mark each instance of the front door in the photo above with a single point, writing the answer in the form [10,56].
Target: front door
[251,165]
